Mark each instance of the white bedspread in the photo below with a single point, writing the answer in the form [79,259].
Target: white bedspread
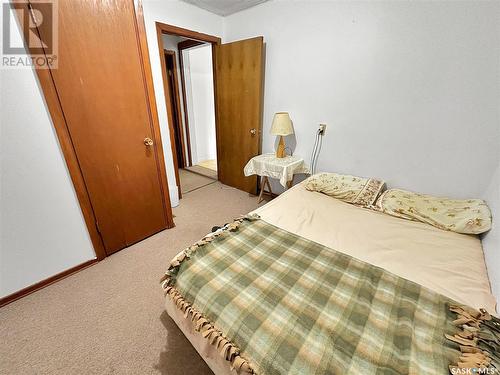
[449,263]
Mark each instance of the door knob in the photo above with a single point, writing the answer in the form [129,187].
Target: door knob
[253,131]
[148,141]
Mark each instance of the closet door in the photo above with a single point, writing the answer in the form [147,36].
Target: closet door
[100,82]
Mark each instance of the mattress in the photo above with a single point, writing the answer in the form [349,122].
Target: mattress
[449,263]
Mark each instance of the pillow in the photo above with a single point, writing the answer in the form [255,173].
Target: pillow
[470,216]
[351,189]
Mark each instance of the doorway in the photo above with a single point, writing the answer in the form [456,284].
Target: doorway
[189,96]
[190,176]
[215,139]
[198,86]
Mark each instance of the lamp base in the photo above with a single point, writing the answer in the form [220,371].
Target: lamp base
[280,151]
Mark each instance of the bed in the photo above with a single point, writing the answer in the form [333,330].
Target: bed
[414,251]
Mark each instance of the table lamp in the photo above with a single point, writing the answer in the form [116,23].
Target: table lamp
[282,125]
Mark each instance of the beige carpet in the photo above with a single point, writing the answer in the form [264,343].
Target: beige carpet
[191,181]
[109,318]
[210,173]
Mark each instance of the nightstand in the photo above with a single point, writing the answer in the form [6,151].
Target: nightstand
[283,169]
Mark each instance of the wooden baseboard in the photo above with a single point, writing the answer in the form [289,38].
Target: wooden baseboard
[42,284]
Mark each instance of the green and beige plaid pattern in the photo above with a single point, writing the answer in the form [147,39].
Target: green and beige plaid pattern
[296,307]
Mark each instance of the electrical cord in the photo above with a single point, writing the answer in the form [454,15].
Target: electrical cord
[319,150]
[318,142]
[313,154]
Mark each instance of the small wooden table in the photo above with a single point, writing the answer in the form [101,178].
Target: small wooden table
[268,165]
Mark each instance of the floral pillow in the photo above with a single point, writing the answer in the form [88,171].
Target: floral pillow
[469,216]
[351,189]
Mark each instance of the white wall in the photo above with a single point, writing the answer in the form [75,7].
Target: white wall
[42,231]
[200,99]
[414,79]
[177,13]
[410,91]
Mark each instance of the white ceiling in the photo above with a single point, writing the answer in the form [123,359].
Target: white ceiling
[225,7]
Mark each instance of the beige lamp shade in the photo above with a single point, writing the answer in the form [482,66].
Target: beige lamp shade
[282,125]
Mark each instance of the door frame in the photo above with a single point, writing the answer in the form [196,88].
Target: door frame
[163,28]
[168,102]
[177,100]
[62,131]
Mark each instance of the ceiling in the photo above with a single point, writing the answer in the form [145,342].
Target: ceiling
[225,7]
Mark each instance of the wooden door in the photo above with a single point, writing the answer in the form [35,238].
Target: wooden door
[173,107]
[239,98]
[101,84]
[173,90]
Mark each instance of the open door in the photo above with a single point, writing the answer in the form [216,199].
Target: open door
[239,97]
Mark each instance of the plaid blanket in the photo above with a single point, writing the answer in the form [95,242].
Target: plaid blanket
[276,303]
